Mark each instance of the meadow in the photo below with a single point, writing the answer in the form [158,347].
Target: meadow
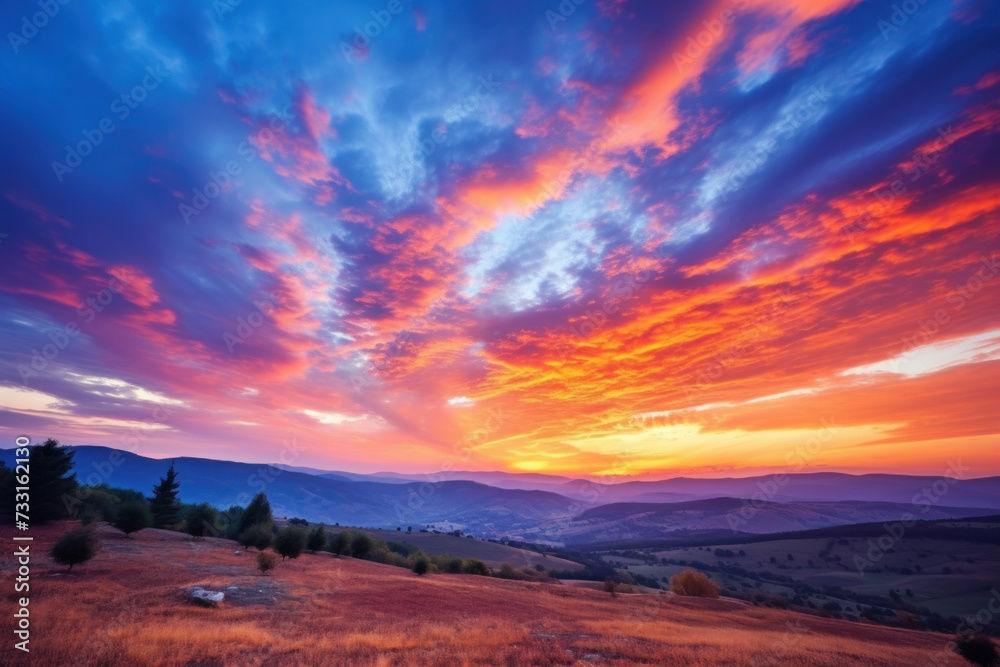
[128,606]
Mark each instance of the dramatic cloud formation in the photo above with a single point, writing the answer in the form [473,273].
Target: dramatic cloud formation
[629,237]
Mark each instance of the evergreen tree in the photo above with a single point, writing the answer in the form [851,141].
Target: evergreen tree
[53,483]
[166,510]
[257,512]
[133,517]
[202,520]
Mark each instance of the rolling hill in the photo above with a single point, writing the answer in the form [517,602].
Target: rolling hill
[731,516]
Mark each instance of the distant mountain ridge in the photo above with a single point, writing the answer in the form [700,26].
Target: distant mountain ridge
[983,492]
[729,516]
[580,511]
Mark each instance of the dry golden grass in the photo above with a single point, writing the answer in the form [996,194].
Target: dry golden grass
[127,607]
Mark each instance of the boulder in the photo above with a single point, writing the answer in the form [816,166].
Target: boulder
[204,597]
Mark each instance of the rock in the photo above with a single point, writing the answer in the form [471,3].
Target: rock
[206,598]
[233,588]
[237,552]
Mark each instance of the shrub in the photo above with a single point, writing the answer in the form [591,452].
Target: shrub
[132,517]
[977,649]
[507,571]
[476,566]
[401,548]
[258,536]
[290,542]
[317,538]
[448,563]
[421,565]
[76,546]
[266,561]
[202,520]
[694,583]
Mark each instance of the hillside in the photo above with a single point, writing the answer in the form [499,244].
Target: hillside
[639,521]
[127,607]
[491,553]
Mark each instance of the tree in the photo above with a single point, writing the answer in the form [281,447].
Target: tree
[476,566]
[977,649]
[317,538]
[290,542]
[132,517]
[340,543]
[6,492]
[53,483]
[98,505]
[266,561]
[421,565]
[258,536]
[257,512]
[609,586]
[164,505]
[76,546]
[361,545]
[202,520]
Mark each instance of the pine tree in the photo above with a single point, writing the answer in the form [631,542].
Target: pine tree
[52,481]
[257,512]
[164,505]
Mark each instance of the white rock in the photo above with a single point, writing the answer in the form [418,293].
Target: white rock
[205,597]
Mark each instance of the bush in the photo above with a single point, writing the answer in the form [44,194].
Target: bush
[476,566]
[609,586]
[421,565]
[977,649]
[266,561]
[258,536]
[401,548]
[76,546]
[132,517]
[290,542]
[694,583]
[202,520]
[448,563]
[507,571]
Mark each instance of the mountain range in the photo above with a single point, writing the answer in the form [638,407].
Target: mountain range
[550,508]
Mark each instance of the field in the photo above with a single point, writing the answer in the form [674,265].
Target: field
[127,607]
[950,577]
[491,553]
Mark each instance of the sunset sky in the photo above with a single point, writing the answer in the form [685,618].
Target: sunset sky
[721,238]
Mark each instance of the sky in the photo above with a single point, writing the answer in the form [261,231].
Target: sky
[595,237]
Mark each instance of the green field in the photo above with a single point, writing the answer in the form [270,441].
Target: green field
[491,553]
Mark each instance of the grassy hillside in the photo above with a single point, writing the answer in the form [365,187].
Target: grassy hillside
[948,568]
[127,607]
[491,553]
